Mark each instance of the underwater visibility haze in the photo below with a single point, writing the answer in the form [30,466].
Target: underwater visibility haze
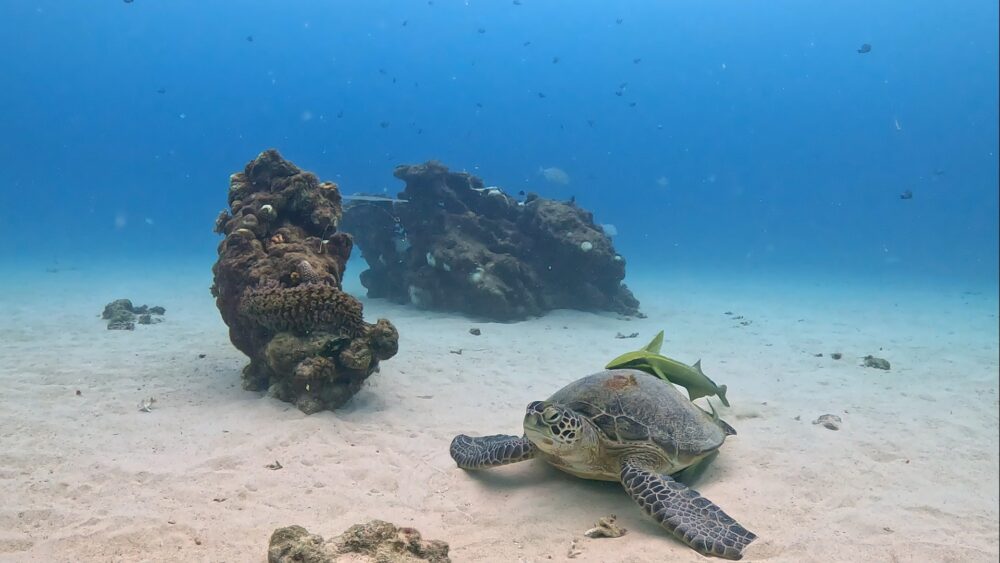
[351,253]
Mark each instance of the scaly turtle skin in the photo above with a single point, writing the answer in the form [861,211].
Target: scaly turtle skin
[626,426]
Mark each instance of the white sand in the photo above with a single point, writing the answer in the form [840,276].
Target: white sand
[911,476]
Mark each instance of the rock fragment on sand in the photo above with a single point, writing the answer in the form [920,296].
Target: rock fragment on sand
[829,421]
[877,363]
[606,528]
[376,541]
[146,405]
[121,314]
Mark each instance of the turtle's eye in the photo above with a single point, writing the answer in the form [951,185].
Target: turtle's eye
[550,415]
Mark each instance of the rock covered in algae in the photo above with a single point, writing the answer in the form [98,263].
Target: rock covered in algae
[277,284]
[376,541]
[453,244]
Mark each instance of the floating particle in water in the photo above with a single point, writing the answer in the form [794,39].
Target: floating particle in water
[381,71]
[383,124]
[249,38]
[865,48]
[555,60]
[517,2]
[127,2]
[637,60]
[622,85]
[161,91]
[405,22]
[526,43]
[182,116]
[541,94]
[340,114]
[907,194]
[590,122]
[481,30]
[420,131]
[631,104]
[662,181]
[479,105]
[619,21]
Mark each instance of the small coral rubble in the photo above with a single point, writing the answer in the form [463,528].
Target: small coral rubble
[278,288]
[376,541]
[457,245]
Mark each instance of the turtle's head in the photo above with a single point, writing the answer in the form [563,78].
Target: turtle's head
[554,428]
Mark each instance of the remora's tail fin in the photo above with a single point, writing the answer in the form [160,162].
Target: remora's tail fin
[722,395]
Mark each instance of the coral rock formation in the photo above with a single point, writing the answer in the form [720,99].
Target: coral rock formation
[376,541]
[278,287]
[457,245]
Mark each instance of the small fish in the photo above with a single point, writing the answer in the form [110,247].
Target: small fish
[619,21]
[541,94]
[631,104]
[590,122]
[554,175]
[381,71]
[555,60]
[481,30]
[340,114]
[479,105]
[619,93]
[939,172]
[649,360]
[127,1]
[907,194]
[526,43]
[636,60]
[865,48]
[517,2]
[161,91]
[360,197]
[383,124]
[405,22]
[249,38]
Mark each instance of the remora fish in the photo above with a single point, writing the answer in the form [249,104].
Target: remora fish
[649,360]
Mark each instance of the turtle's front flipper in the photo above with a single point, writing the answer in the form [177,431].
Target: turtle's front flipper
[690,517]
[490,451]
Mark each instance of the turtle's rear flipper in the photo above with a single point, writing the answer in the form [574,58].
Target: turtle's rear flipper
[490,451]
[690,517]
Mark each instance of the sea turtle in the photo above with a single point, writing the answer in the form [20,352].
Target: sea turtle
[628,426]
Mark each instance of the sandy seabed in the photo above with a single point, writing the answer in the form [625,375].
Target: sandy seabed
[910,476]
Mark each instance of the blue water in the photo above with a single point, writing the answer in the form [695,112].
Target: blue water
[760,140]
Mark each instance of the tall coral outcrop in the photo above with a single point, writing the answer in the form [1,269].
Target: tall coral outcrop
[278,287]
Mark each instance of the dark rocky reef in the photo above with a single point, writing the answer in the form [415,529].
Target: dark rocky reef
[278,287]
[121,314]
[456,245]
[376,541]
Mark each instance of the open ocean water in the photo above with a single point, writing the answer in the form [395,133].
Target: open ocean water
[784,179]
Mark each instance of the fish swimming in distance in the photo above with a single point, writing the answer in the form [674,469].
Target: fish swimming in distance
[554,175]
[865,48]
